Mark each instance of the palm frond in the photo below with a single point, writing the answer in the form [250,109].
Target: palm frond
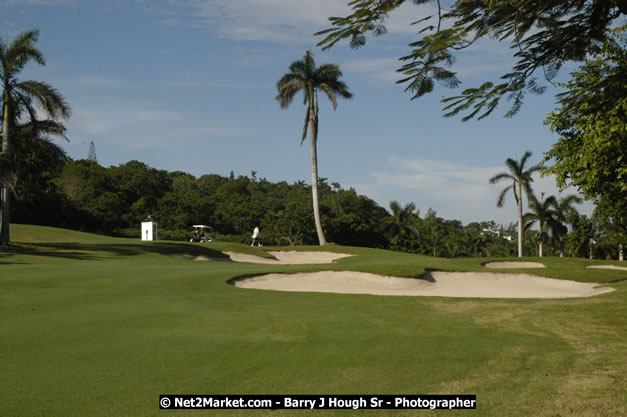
[524,158]
[514,167]
[501,198]
[21,104]
[310,63]
[339,88]
[569,200]
[526,185]
[305,126]
[395,207]
[564,206]
[409,209]
[290,77]
[298,68]
[47,127]
[414,230]
[287,91]
[549,202]
[328,72]
[330,94]
[501,176]
[47,96]
[20,51]
[528,220]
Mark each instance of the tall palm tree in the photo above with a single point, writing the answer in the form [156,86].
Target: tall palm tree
[403,220]
[563,210]
[543,211]
[521,180]
[21,99]
[306,77]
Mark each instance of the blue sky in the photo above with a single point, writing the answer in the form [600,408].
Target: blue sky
[189,85]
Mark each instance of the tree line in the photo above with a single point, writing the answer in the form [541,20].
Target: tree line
[83,195]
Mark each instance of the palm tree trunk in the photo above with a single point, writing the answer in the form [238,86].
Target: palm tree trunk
[621,257]
[313,138]
[561,247]
[540,249]
[520,222]
[5,192]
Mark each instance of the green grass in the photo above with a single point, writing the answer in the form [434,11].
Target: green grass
[92,325]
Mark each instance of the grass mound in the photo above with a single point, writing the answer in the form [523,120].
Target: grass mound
[70,244]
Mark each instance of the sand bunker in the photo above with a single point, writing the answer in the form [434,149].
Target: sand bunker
[289,257]
[443,284]
[620,268]
[514,265]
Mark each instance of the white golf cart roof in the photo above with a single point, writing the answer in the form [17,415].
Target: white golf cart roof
[201,226]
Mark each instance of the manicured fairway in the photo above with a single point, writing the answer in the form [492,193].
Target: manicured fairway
[98,326]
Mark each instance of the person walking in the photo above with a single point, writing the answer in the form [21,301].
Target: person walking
[256,237]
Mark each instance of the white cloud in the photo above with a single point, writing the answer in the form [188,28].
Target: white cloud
[277,20]
[134,142]
[245,20]
[377,69]
[131,125]
[44,2]
[213,84]
[217,130]
[483,59]
[294,22]
[399,21]
[455,191]
[98,82]
[108,116]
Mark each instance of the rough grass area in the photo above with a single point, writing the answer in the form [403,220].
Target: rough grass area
[91,325]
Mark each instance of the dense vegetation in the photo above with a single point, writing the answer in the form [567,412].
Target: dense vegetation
[84,195]
[591,124]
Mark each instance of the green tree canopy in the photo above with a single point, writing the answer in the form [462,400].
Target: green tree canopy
[543,35]
[401,223]
[591,153]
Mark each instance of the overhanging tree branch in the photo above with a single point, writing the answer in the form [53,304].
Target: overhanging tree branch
[545,33]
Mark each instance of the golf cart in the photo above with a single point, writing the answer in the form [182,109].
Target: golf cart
[201,233]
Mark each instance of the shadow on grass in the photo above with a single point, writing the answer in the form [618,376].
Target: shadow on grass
[94,251]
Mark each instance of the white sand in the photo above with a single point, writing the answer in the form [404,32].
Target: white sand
[444,284]
[620,268]
[514,265]
[289,257]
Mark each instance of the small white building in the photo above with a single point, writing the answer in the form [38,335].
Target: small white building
[149,229]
